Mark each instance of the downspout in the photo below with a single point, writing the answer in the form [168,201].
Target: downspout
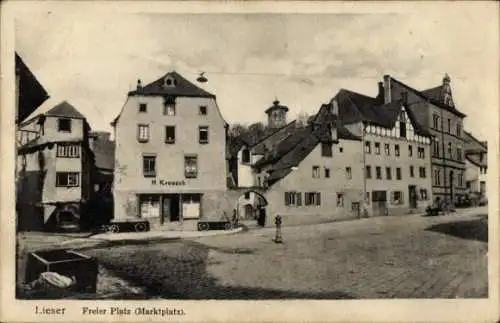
[445,176]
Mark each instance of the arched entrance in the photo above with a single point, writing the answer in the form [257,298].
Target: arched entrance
[251,206]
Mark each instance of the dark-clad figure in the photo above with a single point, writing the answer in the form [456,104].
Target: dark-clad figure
[262,216]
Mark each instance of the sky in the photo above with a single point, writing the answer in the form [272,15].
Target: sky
[93,60]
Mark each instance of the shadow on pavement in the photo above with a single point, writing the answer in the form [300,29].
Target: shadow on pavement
[180,271]
[471,229]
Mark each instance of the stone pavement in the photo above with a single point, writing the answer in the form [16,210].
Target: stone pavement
[386,257]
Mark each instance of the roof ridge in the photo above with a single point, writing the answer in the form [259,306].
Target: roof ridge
[475,139]
[272,133]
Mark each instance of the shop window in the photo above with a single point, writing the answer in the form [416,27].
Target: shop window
[149,206]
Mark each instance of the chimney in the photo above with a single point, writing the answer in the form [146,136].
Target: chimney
[336,121]
[387,89]
[139,85]
[380,90]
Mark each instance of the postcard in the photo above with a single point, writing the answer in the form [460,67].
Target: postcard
[249,161]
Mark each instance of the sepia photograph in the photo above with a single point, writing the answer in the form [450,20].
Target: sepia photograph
[252,156]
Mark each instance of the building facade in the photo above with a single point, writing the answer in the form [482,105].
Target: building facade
[395,153]
[476,161]
[170,155]
[436,111]
[54,169]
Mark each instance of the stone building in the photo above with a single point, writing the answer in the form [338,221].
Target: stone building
[170,155]
[395,152]
[435,110]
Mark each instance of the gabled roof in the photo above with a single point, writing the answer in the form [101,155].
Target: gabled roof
[431,93]
[434,93]
[180,87]
[31,93]
[64,109]
[476,160]
[474,144]
[355,107]
[255,136]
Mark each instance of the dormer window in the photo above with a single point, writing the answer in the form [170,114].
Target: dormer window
[170,81]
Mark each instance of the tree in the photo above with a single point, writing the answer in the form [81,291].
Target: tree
[302,119]
[237,129]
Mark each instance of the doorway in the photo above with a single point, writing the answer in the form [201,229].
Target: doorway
[412,193]
[170,208]
[379,202]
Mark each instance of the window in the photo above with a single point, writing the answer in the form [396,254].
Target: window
[397,197]
[436,147]
[412,171]
[348,173]
[67,179]
[68,150]
[459,153]
[326,150]
[410,151]
[449,125]
[388,173]
[396,150]
[421,171]
[368,172]
[315,172]
[191,166]
[368,147]
[245,156]
[423,194]
[149,166]
[398,173]
[169,106]
[367,197]
[378,172]
[170,134]
[421,152]
[460,179]
[402,128]
[143,133]
[449,150]
[481,157]
[437,177]
[387,149]
[203,134]
[143,107]
[435,121]
[312,198]
[341,149]
[203,110]
[149,206]
[293,198]
[340,200]
[64,125]
[377,148]
[247,195]
[327,172]
[459,130]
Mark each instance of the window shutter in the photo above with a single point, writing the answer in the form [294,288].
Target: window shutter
[299,199]
[318,198]
[286,198]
